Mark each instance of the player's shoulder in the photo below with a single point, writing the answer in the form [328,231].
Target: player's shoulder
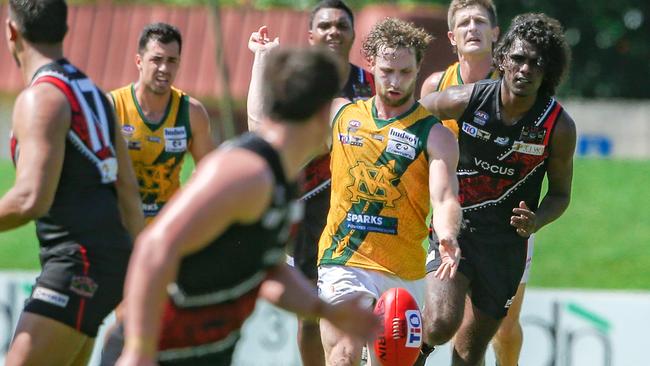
[432,82]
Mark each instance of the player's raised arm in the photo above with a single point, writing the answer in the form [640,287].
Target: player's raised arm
[449,103]
[260,44]
[443,191]
[41,119]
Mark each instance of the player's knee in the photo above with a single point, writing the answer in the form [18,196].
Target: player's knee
[344,356]
[508,329]
[440,329]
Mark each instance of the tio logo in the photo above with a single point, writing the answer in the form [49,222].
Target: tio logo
[414,331]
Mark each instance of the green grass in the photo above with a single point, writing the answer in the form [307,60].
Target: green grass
[602,241]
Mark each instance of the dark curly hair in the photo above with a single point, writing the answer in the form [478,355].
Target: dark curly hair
[395,33]
[547,36]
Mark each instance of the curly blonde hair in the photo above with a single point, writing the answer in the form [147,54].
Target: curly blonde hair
[395,33]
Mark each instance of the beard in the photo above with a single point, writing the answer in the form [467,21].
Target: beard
[408,93]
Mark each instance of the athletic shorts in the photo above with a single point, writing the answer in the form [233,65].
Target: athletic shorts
[115,343]
[305,253]
[493,264]
[78,286]
[338,283]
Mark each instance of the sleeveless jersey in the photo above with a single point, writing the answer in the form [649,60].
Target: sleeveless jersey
[156,149]
[452,77]
[501,165]
[380,191]
[85,207]
[317,175]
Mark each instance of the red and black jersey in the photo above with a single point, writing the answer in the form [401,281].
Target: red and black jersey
[317,175]
[85,207]
[501,165]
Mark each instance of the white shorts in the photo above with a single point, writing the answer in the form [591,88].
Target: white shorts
[337,283]
[530,244]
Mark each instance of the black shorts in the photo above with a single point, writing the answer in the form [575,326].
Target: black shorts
[493,264]
[115,343]
[78,286]
[305,254]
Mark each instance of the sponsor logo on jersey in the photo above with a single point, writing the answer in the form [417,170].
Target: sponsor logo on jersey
[354,123]
[372,223]
[128,130]
[526,148]
[509,302]
[378,137]
[503,141]
[150,209]
[401,149]
[154,139]
[481,118]
[175,139]
[50,296]
[493,168]
[475,132]
[352,140]
[134,145]
[414,329]
[83,286]
[469,129]
[532,134]
[399,135]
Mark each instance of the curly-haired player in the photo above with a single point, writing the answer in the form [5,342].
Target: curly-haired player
[391,159]
[512,134]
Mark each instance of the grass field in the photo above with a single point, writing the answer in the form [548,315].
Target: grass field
[602,241]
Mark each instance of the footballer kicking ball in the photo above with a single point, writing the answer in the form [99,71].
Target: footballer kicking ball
[400,338]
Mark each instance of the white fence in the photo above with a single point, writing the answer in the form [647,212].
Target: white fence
[561,328]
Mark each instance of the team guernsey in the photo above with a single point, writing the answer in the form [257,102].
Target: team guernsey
[84,248]
[502,165]
[380,192]
[452,77]
[156,149]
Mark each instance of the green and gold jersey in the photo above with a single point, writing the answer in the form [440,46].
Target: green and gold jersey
[156,149]
[380,191]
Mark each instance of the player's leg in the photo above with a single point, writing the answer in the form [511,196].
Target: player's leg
[305,259]
[42,341]
[508,340]
[509,337]
[336,284]
[84,354]
[473,337]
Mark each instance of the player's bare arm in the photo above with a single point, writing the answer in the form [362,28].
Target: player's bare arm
[241,183]
[128,194]
[202,142]
[41,119]
[431,83]
[289,289]
[449,103]
[443,191]
[560,175]
[260,44]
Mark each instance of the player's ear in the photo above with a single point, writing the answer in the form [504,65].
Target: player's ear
[311,37]
[450,35]
[496,31]
[11,30]
[138,61]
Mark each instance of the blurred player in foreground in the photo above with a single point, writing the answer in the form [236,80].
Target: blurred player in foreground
[198,270]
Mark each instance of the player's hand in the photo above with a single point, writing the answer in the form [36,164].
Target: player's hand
[450,257]
[134,358]
[351,317]
[524,220]
[260,41]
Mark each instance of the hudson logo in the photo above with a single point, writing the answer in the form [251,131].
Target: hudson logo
[493,168]
[374,183]
[414,329]
[402,136]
